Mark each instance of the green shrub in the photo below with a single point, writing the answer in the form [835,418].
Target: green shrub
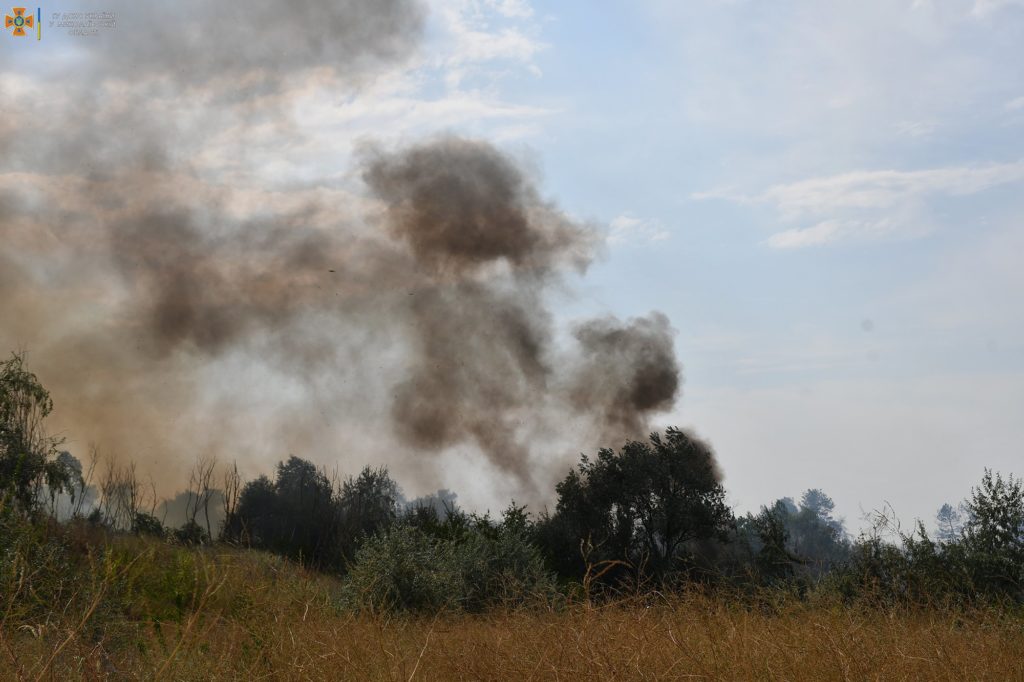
[192,534]
[406,568]
[147,524]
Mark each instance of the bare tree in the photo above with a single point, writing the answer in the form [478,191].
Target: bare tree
[200,490]
[122,495]
[109,496]
[232,491]
[85,482]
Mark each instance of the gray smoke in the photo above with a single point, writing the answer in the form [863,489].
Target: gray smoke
[257,44]
[211,291]
[482,354]
[152,297]
[480,339]
[461,204]
[626,373]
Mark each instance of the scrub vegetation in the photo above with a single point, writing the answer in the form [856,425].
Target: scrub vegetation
[640,571]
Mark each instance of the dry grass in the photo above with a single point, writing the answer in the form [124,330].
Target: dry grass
[133,608]
[255,617]
[694,639]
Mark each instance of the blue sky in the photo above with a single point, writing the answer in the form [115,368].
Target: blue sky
[826,199]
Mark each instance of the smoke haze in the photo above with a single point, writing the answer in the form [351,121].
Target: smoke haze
[175,303]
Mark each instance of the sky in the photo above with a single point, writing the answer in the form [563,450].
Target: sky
[825,198]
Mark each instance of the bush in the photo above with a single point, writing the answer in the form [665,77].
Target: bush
[402,569]
[409,569]
[147,524]
[38,567]
[984,563]
[192,534]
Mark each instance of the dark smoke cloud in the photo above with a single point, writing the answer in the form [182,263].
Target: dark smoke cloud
[461,204]
[628,371]
[473,361]
[482,354]
[258,43]
[210,291]
[478,360]
[479,343]
[139,274]
[155,298]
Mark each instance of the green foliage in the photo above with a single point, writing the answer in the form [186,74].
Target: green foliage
[367,504]
[34,566]
[147,524]
[295,515]
[913,571]
[949,522]
[191,534]
[463,563]
[402,568]
[28,457]
[641,506]
[773,561]
[993,537]
[983,562]
[795,541]
[303,516]
[161,591]
[653,511]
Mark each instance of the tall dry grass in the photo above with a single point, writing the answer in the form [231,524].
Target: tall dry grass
[691,639]
[251,616]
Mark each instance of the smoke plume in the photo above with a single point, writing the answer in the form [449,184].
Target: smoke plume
[258,44]
[461,205]
[627,371]
[175,301]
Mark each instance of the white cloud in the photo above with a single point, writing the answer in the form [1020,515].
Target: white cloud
[886,188]
[629,229]
[1015,104]
[986,7]
[829,231]
[868,204]
[478,35]
[822,233]
[916,128]
[512,8]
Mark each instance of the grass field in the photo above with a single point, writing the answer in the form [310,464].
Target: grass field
[146,610]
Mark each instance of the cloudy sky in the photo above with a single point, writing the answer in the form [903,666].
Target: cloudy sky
[825,198]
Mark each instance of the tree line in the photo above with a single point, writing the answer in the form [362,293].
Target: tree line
[651,516]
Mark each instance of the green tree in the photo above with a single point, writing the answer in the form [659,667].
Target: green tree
[368,503]
[773,559]
[641,506]
[306,517]
[949,523]
[993,537]
[28,456]
[295,515]
[815,535]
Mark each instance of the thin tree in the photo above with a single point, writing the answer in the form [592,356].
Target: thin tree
[200,490]
[232,490]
